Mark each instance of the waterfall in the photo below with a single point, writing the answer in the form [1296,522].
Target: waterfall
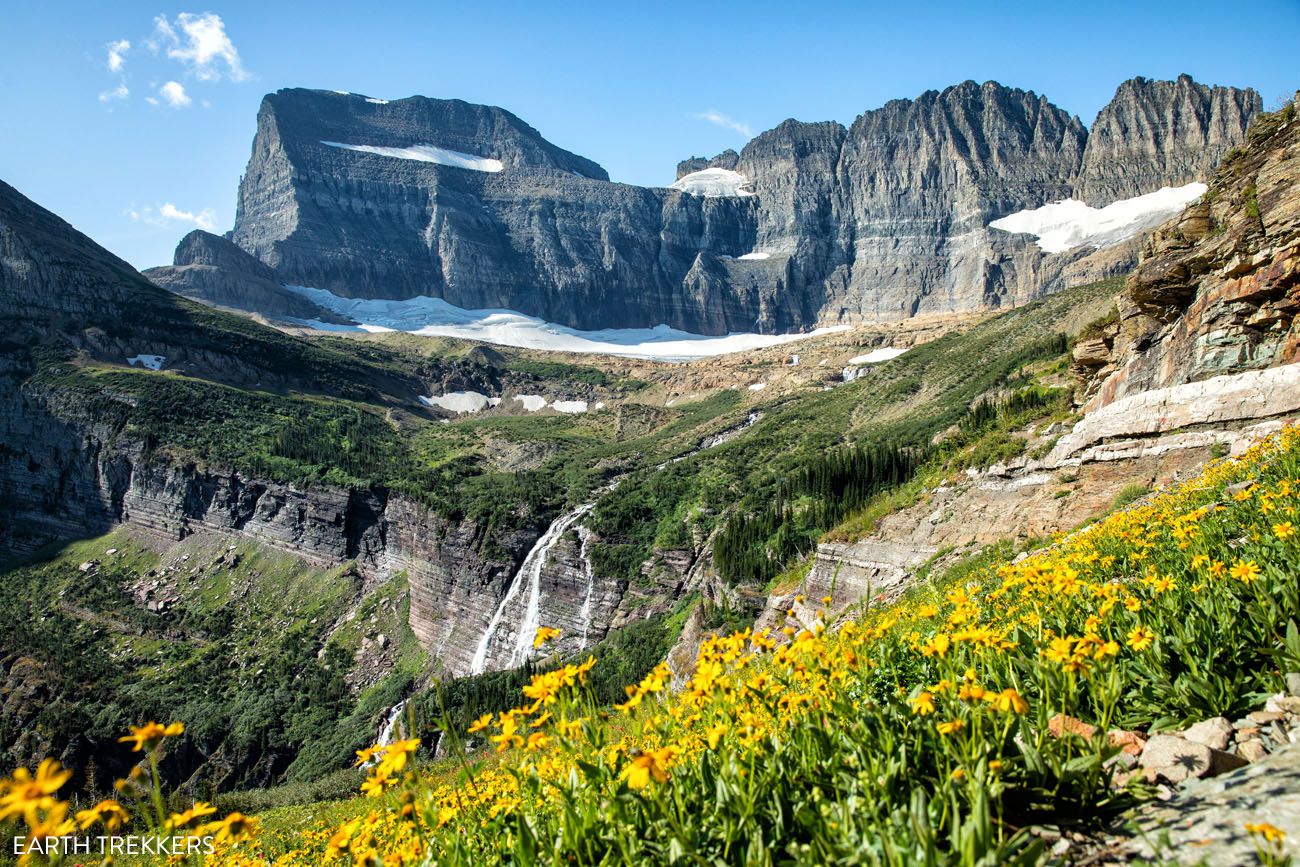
[389,729]
[530,572]
[584,614]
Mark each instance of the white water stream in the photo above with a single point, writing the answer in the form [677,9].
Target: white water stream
[584,613]
[530,572]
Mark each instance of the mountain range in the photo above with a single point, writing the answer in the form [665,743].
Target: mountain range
[809,224]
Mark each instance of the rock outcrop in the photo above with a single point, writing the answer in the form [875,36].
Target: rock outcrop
[1218,287]
[1161,133]
[883,220]
[214,270]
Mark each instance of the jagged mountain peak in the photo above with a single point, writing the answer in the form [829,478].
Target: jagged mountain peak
[1161,133]
[887,218]
[310,117]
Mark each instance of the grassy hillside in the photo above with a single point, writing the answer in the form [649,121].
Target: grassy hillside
[920,733]
[249,646]
[901,404]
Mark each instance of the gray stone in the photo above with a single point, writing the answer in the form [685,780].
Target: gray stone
[1204,822]
[1173,759]
[1293,683]
[1289,704]
[1261,717]
[1214,733]
[1252,750]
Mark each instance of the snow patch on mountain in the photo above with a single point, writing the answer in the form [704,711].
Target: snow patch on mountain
[150,362]
[434,317]
[1069,223]
[713,183]
[876,356]
[427,154]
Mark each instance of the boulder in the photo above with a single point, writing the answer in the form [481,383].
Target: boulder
[1215,733]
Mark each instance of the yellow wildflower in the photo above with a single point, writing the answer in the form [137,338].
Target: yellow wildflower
[544,634]
[1140,638]
[923,704]
[150,735]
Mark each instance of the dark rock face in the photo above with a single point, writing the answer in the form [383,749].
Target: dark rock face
[213,270]
[549,234]
[1161,133]
[886,219]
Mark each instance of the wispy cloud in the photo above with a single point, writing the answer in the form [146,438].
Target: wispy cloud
[197,42]
[117,54]
[717,118]
[168,214]
[173,94]
[116,93]
[201,43]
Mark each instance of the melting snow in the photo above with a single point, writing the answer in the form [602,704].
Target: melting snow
[436,318]
[1069,223]
[427,154]
[152,362]
[532,402]
[875,356]
[713,183]
[376,101]
[472,401]
[751,256]
[459,401]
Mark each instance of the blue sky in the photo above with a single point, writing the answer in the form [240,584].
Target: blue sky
[137,156]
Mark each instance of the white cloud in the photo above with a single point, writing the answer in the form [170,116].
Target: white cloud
[117,54]
[717,118]
[173,93]
[201,43]
[119,92]
[204,219]
[167,213]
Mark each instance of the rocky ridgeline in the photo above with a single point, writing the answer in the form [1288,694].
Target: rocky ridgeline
[1198,360]
[884,219]
[1218,288]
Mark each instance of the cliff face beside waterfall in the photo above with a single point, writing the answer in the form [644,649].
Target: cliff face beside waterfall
[73,463]
[809,223]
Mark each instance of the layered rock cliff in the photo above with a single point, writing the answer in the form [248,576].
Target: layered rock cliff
[213,270]
[809,223]
[1218,288]
[1160,133]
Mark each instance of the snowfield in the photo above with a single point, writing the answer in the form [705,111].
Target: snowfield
[876,356]
[713,183]
[458,401]
[754,256]
[434,317]
[427,154]
[150,362]
[469,402]
[1069,223]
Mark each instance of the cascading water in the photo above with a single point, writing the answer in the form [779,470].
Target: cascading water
[530,572]
[388,730]
[584,613]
